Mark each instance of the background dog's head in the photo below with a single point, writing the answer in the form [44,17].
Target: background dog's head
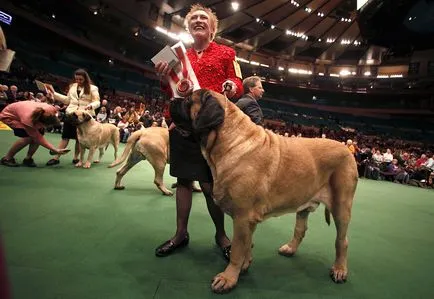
[207,110]
[79,117]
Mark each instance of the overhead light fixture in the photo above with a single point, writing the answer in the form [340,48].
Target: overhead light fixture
[272,26]
[299,71]
[95,12]
[254,62]
[396,76]
[344,73]
[367,74]
[308,10]
[320,74]
[281,68]
[183,36]
[242,59]
[235,5]
[320,14]
[53,16]
[319,40]
[136,33]
[258,20]
[370,61]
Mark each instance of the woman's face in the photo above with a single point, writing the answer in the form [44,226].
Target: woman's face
[199,25]
[79,79]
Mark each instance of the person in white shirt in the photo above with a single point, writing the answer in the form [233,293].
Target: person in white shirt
[123,128]
[429,164]
[387,156]
[102,115]
[377,157]
[81,95]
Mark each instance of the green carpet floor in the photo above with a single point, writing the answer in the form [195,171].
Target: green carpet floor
[68,234]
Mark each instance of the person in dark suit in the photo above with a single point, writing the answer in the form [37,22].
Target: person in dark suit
[248,103]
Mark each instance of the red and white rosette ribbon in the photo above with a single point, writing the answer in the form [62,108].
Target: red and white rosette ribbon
[182,79]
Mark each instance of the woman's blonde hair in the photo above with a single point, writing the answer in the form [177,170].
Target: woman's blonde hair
[212,18]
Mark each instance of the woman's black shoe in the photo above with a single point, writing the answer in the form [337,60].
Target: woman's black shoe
[169,247]
[226,251]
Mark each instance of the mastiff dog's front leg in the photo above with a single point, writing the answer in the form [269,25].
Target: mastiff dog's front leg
[241,242]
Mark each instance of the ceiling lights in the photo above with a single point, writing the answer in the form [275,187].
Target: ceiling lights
[346,20]
[296,34]
[320,14]
[330,40]
[235,5]
[299,71]
[183,36]
[308,10]
[295,3]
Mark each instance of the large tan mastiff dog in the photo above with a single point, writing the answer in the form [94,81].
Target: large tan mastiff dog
[258,174]
[150,144]
[92,135]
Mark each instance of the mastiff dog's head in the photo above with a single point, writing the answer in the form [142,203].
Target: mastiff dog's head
[207,111]
[79,117]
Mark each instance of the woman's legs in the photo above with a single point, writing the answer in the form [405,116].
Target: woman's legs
[33,147]
[17,146]
[216,214]
[183,207]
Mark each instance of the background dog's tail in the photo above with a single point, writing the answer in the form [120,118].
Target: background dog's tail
[327,215]
[130,143]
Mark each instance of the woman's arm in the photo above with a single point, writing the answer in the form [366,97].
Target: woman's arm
[233,73]
[95,99]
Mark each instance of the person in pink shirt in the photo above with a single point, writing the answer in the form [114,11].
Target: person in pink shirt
[28,120]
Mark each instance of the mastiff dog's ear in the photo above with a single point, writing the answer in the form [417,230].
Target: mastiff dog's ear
[210,115]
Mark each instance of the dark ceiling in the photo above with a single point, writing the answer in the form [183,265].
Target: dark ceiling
[274,31]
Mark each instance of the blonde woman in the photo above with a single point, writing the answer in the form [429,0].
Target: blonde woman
[215,68]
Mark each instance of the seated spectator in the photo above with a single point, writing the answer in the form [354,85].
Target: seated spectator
[146,119]
[102,115]
[378,157]
[397,172]
[12,94]
[387,156]
[132,116]
[123,129]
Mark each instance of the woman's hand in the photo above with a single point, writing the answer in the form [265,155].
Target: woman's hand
[50,95]
[59,151]
[229,88]
[162,69]
[49,89]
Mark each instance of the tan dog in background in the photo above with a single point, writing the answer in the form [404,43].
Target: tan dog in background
[92,135]
[258,174]
[150,144]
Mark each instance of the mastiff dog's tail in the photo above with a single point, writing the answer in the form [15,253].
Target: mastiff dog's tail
[130,143]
